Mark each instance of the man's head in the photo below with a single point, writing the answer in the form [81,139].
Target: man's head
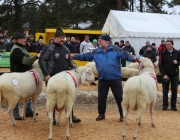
[1,39]
[153,45]
[31,37]
[51,40]
[40,42]
[169,44]
[5,33]
[20,37]
[163,42]
[149,48]
[147,43]
[28,41]
[86,38]
[94,42]
[68,39]
[121,42]
[13,39]
[59,36]
[73,39]
[103,41]
[77,40]
[127,44]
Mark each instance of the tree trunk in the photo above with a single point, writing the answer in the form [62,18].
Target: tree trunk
[119,4]
[141,5]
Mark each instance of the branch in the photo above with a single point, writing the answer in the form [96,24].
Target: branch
[28,3]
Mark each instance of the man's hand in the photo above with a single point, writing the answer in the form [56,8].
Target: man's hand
[175,62]
[47,78]
[38,55]
[165,77]
[72,57]
[4,50]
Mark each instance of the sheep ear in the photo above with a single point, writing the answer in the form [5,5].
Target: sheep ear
[83,77]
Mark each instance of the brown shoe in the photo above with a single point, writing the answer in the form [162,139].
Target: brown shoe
[17,117]
[100,117]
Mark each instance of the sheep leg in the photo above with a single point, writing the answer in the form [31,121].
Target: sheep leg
[34,100]
[71,122]
[125,113]
[10,112]
[138,117]
[151,113]
[24,111]
[50,114]
[58,119]
[139,123]
[67,129]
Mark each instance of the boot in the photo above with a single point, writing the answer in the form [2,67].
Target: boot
[75,119]
[30,114]
[54,118]
[17,117]
[100,117]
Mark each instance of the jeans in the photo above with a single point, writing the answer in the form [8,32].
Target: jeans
[28,108]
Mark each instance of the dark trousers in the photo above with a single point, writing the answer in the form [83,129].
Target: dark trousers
[174,87]
[103,88]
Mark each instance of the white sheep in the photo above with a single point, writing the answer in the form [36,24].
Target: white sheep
[61,93]
[125,71]
[139,91]
[15,87]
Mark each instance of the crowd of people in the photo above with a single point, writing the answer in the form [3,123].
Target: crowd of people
[55,57]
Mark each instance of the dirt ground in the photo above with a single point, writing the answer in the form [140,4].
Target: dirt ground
[167,124]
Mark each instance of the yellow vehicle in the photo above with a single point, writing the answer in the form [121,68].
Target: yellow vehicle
[49,33]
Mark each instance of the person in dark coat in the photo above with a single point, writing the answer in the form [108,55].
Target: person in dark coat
[73,47]
[29,46]
[143,49]
[21,61]
[150,54]
[129,48]
[10,44]
[154,49]
[169,61]
[39,46]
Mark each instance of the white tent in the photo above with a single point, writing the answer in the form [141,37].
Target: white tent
[141,27]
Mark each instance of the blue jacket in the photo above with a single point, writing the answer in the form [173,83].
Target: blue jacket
[108,62]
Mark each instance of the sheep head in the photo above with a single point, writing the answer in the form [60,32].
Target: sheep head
[36,64]
[86,74]
[147,63]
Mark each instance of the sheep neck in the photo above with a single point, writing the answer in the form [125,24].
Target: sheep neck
[147,69]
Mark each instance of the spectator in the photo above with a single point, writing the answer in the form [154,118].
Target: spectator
[5,37]
[68,41]
[94,46]
[39,46]
[116,44]
[51,41]
[31,37]
[154,49]
[122,45]
[10,44]
[2,44]
[29,46]
[162,46]
[78,42]
[85,45]
[169,61]
[73,47]
[129,48]
[143,49]
[150,54]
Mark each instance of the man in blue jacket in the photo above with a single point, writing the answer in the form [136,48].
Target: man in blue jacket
[108,64]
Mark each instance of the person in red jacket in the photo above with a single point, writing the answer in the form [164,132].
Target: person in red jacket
[161,47]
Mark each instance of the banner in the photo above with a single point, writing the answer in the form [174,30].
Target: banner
[4,59]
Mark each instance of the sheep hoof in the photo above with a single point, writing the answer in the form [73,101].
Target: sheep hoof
[123,137]
[50,139]
[134,138]
[139,123]
[57,123]
[72,125]
[35,120]
[67,138]
[153,125]
[14,125]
